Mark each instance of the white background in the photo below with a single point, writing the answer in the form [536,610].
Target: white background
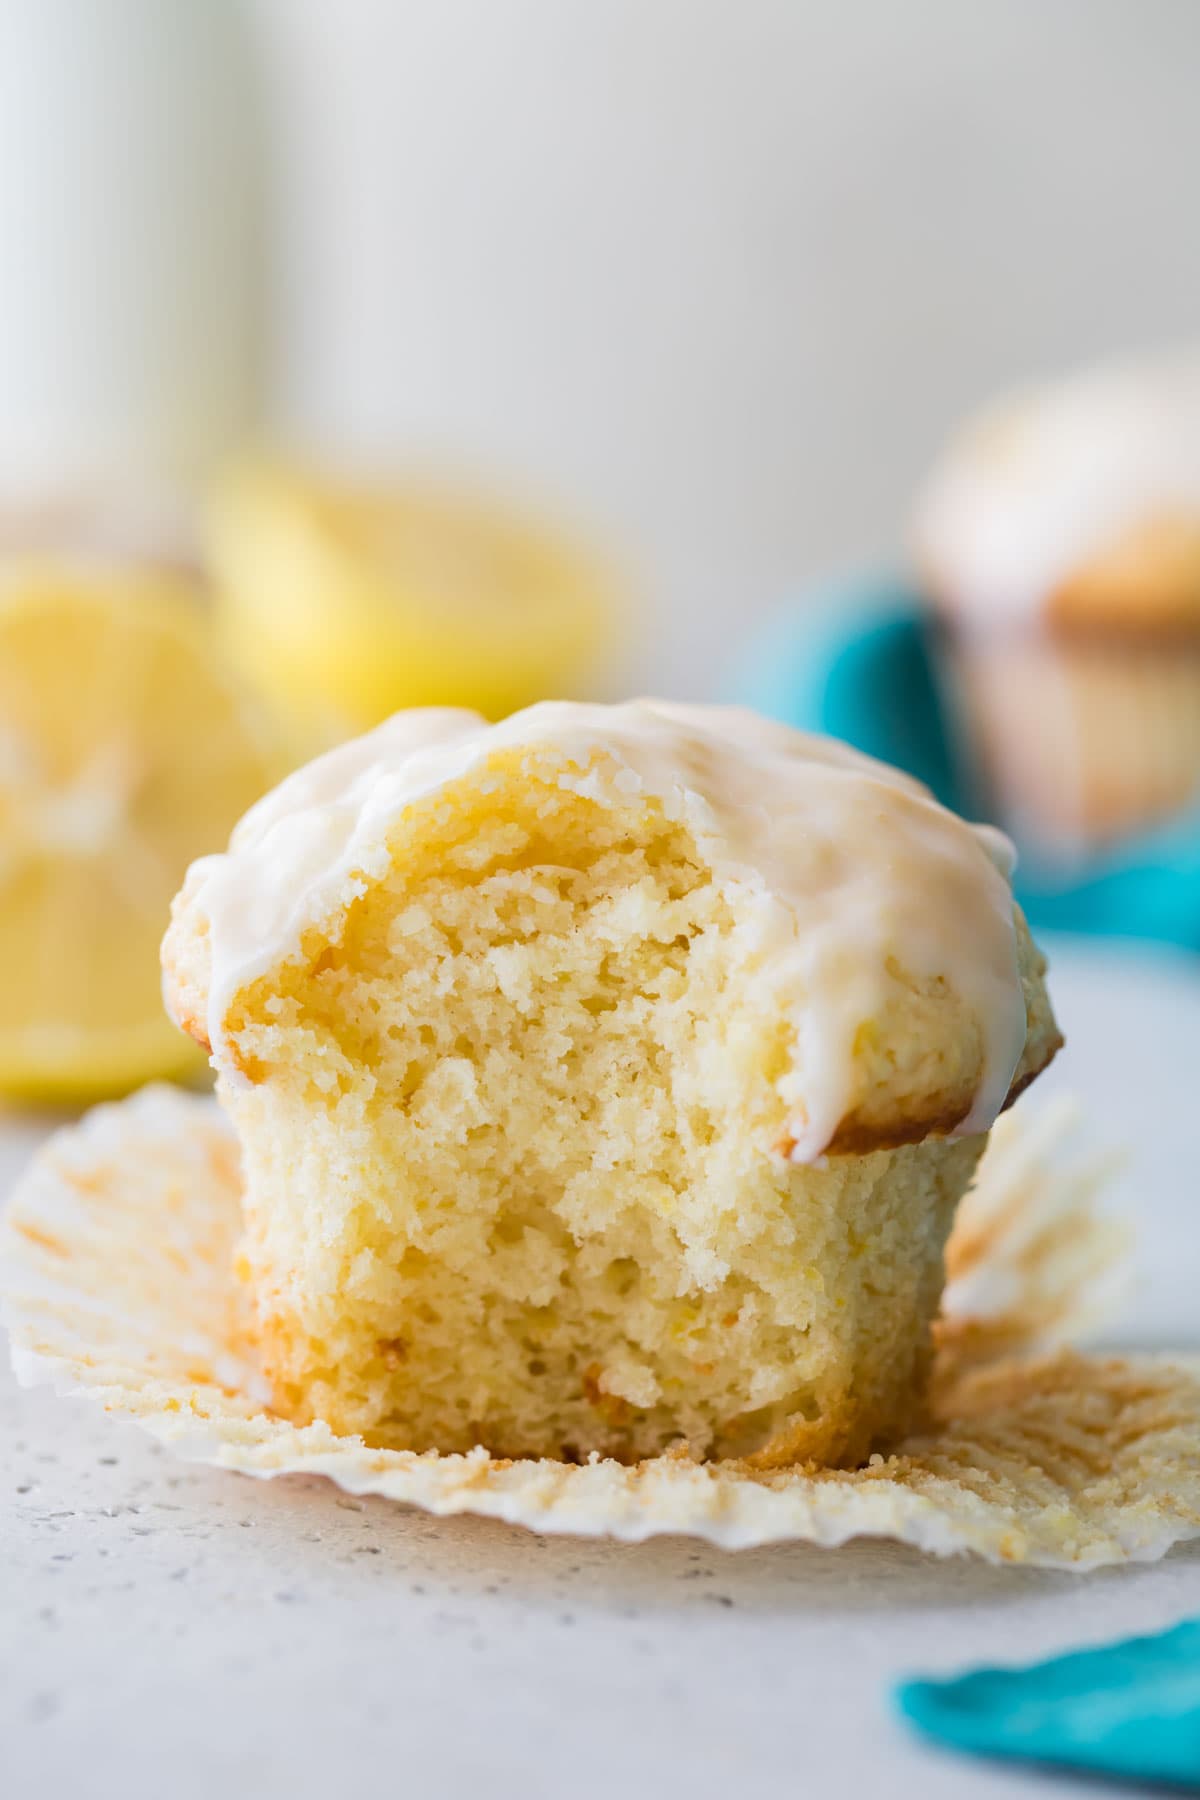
[717,278]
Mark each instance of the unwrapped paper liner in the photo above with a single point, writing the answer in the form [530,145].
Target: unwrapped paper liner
[117,1278]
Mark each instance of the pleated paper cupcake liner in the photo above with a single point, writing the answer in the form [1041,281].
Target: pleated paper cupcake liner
[118,1251]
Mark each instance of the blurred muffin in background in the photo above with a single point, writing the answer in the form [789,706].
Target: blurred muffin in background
[344,601]
[1059,540]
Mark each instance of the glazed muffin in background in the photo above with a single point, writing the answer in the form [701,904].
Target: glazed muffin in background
[606,1079]
[1059,540]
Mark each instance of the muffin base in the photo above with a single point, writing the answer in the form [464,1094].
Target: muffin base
[117,1252]
[1078,739]
[621,1358]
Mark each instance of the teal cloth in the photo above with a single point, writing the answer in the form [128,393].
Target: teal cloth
[854,662]
[1129,1710]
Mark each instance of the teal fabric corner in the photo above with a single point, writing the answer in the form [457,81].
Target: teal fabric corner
[854,663]
[1129,1710]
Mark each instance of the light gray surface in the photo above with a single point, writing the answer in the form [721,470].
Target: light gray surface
[169,1630]
[179,1632]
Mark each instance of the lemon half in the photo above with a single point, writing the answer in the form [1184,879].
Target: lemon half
[344,601]
[125,750]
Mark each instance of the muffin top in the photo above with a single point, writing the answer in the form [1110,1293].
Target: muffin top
[1077,504]
[882,925]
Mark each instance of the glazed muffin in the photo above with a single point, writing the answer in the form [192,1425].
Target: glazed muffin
[1060,542]
[606,1079]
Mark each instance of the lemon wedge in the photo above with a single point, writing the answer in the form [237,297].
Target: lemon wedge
[125,750]
[344,603]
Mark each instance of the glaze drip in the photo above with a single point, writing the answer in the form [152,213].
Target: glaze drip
[845,868]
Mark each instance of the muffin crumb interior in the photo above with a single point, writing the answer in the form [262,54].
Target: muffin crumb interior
[512,1131]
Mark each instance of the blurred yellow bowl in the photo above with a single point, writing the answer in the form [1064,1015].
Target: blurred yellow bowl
[125,750]
[344,602]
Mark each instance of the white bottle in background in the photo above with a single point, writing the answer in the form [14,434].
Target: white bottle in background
[129,252]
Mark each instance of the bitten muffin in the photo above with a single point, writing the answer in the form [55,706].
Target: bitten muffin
[606,1079]
[1060,542]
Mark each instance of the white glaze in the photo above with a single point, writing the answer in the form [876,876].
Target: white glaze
[844,864]
[1041,484]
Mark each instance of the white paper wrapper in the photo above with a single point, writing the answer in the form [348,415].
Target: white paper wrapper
[117,1253]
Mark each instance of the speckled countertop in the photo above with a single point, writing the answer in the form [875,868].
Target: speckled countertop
[175,1631]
